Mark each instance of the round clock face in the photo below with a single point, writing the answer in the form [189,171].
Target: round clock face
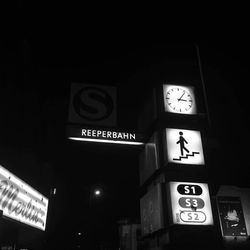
[179,100]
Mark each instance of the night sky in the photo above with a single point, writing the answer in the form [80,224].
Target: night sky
[38,67]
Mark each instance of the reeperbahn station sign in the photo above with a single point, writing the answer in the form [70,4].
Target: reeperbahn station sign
[104,135]
[20,202]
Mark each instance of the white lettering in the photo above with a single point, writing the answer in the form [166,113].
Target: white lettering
[104,134]
[186,190]
[195,203]
[132,137]
[114,135]
[125,136]
[119,136]
[188,204]
[109,134]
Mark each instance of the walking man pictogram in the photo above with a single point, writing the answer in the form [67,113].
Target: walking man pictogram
[182,142]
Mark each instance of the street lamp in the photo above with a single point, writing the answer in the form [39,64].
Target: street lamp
[95,193]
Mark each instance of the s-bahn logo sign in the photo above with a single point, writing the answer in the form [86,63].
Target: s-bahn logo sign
[21,202]
[92,104]
[190,203]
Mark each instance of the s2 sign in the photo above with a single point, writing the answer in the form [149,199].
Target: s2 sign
[92,104]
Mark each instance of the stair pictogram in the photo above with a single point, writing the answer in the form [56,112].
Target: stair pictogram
[185,157]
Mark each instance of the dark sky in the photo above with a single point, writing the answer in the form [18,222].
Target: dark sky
[39,65]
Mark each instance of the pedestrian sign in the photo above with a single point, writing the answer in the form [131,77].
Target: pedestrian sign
[184,146]
[190,203]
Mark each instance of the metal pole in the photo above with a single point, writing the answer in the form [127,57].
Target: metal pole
[203,84]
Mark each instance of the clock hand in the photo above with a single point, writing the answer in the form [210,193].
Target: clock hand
[180,97]
[182,100]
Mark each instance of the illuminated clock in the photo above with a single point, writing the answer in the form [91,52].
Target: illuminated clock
[179,99]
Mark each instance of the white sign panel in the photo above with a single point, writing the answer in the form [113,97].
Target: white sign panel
[92,104]
[179,99]
[190,203]
[21,202]
[184,146]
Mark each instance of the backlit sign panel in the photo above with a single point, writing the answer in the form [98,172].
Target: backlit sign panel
[190,203]
[184,146]
[21,202]
[103,135]
[92,104]
[231,216]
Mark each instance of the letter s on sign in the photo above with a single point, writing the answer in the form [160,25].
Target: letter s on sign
[93,104]
[186,189]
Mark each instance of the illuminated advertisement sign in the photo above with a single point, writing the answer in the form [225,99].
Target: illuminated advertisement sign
[179,99]
[151,211]
[105,136]
[21,202]
[231,216]
[190,203]
[184,146]
[92,104]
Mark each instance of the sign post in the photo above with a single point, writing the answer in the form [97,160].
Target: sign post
[181,168]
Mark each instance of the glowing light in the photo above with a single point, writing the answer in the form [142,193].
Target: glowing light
[21,202]
[97,192]
[105,141]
